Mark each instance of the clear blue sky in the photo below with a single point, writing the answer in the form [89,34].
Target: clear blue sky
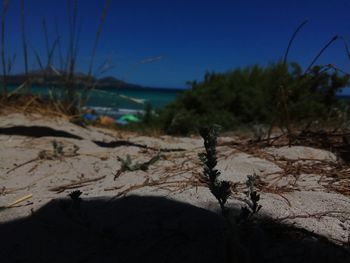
[192,36]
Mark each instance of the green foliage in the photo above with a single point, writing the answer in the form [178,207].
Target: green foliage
[128,165]
[57,148]
[280,94]
[252,202]
[56,153]
[76,199]
[148,116]
[220,189]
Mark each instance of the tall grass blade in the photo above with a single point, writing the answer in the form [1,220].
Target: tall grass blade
[335,38]
[10,63]
[346,47]
[292,39]
[52,52]
[5,5]
[98,33]
[59,46]
[46,36]
[38,59]
[24,39]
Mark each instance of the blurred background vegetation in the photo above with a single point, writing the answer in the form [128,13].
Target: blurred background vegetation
[279,94]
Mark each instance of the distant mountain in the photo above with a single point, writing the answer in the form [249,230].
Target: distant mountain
[51,76]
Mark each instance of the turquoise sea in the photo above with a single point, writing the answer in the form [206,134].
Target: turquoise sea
[123,101]
[118,101]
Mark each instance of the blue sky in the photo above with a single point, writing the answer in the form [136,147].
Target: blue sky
[188,37]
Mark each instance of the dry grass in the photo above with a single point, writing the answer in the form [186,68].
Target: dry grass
[33,104]
[333,175]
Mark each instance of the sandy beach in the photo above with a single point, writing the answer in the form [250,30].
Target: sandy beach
[162,212]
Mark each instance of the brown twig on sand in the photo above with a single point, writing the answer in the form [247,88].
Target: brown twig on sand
[318,215]
[159,183]
[81,183]
[22,164]
[20,200]
[46,155]
[113,188]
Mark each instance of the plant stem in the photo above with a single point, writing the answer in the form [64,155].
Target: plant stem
[5,4]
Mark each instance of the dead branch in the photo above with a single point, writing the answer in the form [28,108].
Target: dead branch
[81,183]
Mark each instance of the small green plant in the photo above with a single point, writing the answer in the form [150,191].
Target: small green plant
[57,148]
[57,152]
[253,206]
[76,199]
[128,165]
[259,132]
[220,189]
[234,229]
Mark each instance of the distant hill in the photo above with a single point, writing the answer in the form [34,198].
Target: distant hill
[54,77]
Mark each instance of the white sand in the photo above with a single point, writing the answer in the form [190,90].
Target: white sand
[307,196]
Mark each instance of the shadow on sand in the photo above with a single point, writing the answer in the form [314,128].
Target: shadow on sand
[149,229]
[37,132]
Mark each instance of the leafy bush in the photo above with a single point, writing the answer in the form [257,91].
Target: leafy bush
[280,94]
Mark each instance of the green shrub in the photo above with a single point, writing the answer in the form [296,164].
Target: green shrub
[279,94]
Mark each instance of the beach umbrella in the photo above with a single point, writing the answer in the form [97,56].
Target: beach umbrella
[129,117]
[90,117]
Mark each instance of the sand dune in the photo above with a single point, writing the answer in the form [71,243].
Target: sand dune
[293,188]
